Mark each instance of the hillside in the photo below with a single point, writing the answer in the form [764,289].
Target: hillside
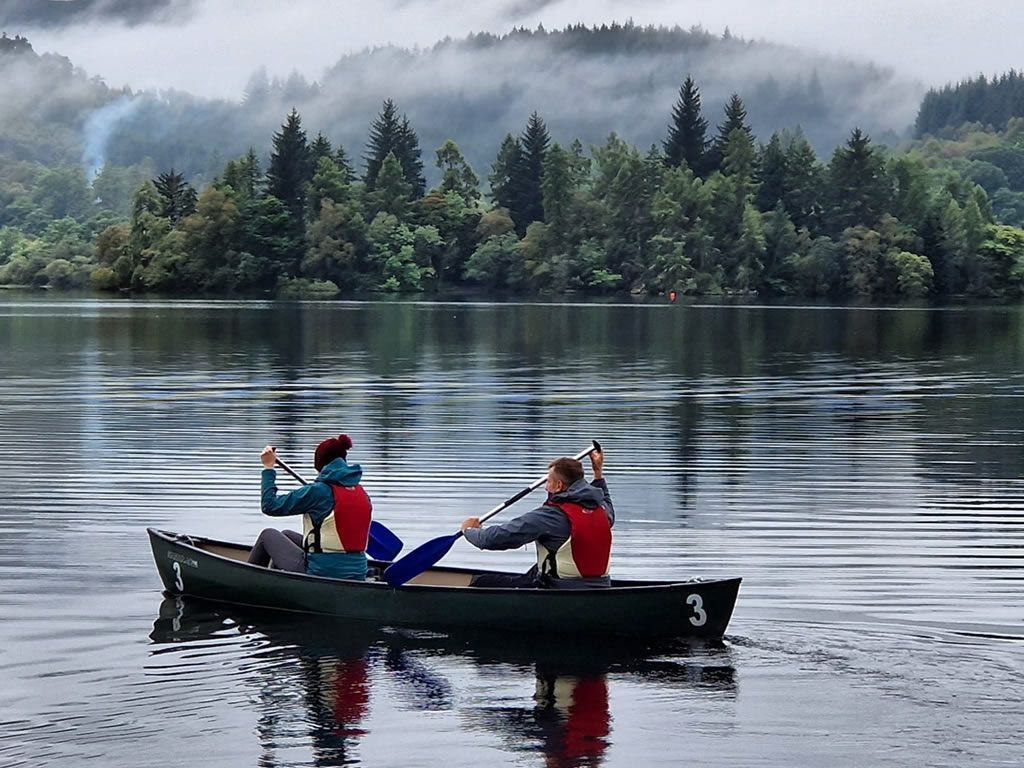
[586,82]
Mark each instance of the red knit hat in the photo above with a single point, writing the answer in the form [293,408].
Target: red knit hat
[330,449]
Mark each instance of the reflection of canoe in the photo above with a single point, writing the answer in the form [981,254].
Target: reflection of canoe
[441,597]
[339,667]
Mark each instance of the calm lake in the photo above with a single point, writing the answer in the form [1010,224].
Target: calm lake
[862,469]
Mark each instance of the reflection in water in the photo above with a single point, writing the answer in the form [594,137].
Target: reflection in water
[861,468]
[336,669]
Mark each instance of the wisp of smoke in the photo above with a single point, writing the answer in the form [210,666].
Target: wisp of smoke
[99,127]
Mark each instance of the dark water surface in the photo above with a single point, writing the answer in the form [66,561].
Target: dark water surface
[861,469]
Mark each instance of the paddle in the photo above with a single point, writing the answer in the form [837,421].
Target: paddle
[382,544]
[426,555]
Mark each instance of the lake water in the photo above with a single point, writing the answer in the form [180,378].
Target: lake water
[860,468]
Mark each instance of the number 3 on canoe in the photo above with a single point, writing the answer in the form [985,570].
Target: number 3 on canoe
[699,617]
[181,585]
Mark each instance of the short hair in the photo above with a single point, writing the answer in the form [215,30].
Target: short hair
[567,470]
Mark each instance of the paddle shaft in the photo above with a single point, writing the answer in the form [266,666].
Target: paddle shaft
[291,471]
[536,484]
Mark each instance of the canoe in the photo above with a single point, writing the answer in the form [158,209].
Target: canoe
[442,598]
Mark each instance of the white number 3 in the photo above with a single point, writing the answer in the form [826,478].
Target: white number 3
[176,567]
[699,617]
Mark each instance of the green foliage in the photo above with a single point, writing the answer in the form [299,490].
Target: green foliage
[458,176]
[290,166]
[687,133]
[497,263]
[177,197]
[975,100]
[304,288]
[858,183]
[506,178]
[535,142]
[614,219]
[393,135]
[913,273]
[391,192]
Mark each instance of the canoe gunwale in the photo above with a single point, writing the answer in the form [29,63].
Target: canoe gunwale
[619,586]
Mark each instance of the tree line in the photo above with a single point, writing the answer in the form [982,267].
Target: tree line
[988,102]
[709,211]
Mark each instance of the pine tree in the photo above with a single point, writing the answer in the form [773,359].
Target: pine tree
[507,174]
[409,155]
[535,141]
[290,168]
[735,119]
[392,191]
[177,197]
[329,183]
[687,133]
[858,183]
[384,138]
[557,189]
[804,184]
[244,176]
[772,173]
[319,149]
[342,161]
[391,134]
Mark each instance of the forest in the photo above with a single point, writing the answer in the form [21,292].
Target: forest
[708,209]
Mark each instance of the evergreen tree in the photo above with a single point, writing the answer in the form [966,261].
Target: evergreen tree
[506,178]
[385,133]
[177,197]
[772,174]
[858,183]
[735,119]
[408,153]
[579,164]
[329,183]
[535,141]
[290,168]
[782,247]
[319,149]
[244,176]
[391,134]
[804,184]
[391,192]
[557,188]
[342,161]
[687,133]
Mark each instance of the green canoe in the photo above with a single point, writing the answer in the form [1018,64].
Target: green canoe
[442,597]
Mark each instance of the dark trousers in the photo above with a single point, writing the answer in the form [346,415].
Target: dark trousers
[528,580]
[284,548]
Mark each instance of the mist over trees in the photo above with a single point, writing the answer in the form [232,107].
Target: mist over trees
[475,88]
[711,205]
[767,219]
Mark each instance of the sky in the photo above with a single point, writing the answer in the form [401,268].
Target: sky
[211,47]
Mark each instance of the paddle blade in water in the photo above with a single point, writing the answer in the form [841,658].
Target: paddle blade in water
[383,544]
[419,560]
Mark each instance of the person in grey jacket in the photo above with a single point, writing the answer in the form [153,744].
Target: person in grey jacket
[571,530]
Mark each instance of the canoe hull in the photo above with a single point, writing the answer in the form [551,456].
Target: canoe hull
[635,609]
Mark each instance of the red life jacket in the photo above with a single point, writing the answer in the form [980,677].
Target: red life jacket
[589,721]
[587,553]
[347,528]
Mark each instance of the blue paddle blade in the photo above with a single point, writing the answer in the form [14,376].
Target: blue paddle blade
[419,560]
[383,544]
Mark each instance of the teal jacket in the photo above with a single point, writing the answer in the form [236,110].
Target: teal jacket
[317,500]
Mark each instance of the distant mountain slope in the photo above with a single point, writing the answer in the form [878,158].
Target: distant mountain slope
[586,82]
[989,102]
